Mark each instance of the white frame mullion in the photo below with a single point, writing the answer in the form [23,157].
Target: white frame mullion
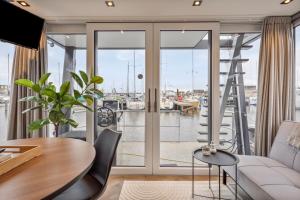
[214,27]
[92,28]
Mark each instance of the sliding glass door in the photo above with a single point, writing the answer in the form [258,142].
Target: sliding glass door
[185,63]
[122,54]
[157,91]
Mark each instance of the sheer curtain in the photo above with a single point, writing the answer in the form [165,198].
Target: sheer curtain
[275,81]
[30,64]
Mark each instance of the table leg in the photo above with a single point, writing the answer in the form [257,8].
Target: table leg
[193,177]
[236,182]
[209,176]
[219,182]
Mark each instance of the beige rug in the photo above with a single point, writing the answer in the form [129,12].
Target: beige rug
[169,190]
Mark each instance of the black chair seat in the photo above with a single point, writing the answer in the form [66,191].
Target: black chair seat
[86,188]
[93,184]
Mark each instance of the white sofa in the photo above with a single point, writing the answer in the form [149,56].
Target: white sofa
[274,177]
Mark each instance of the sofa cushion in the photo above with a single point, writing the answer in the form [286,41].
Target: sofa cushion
[282,192]
[260,176]
[290,174]
[281,150]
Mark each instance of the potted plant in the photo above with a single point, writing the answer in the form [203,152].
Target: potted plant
[56,102]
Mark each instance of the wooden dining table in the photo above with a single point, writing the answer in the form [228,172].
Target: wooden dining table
[63,161]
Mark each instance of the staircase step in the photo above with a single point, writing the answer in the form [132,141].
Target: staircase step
[235,74]
[239,73]
[205,115]
[205,133]
[206,124]
[237,60]
[244,47]
[230,106]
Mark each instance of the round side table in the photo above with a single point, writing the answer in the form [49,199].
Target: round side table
[220,158]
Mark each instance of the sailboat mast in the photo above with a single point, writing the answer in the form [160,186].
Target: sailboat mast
[193,71]
[127,79]
[134,86]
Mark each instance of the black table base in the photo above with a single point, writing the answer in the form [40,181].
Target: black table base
[209,182]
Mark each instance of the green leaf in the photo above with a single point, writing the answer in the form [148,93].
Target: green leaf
[51,87]
[44,78]
[72,122]
[64,88]
[77,79]
[68,97]
[38,124]
[49,93]
[97,79]
[30,109]
[56,116]
[89,99]
[36,88]
[84,77]
[99,93]
[24,82]
[77,94]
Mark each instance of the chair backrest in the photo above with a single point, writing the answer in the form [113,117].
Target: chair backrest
[281,150]
[105,145]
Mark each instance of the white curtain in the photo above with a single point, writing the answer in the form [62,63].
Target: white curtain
[275,81]
[30,64]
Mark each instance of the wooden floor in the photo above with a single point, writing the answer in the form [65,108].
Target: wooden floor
[115,183]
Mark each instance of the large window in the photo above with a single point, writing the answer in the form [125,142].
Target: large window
[238,82]
[6,60]
[297,46]
[184,64]
[121,61]
[66,53]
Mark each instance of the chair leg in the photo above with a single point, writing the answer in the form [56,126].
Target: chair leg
[224,177]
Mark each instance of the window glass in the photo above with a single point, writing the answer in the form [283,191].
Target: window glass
[297,46]
[6,61]
[238,88]
[66,53]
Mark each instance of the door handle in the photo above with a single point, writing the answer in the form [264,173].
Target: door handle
[155,100]
[149,100]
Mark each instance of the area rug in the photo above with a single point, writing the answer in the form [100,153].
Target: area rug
[170,190]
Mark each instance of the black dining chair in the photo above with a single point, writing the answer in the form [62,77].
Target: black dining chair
[93,184]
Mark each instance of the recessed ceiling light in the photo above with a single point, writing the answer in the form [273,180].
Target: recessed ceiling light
[122,32]
[110,3]
[286,2]
[67,36]
[197,3]
[23,3]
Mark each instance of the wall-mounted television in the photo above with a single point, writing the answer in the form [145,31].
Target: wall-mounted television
[19,27]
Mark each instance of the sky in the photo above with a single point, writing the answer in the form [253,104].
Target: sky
[176,66]
[6,50]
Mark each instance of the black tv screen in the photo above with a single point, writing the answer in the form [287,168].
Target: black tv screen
[19,26]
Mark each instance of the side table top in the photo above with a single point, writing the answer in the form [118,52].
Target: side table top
[221,158]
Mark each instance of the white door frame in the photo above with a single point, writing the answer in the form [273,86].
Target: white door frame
[213,88]
[152,42]
[92,28]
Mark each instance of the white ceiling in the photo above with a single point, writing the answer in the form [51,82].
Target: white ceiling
[154,10]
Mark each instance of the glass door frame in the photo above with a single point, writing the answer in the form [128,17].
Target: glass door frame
[152,120]
[213,88]
[92,29]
